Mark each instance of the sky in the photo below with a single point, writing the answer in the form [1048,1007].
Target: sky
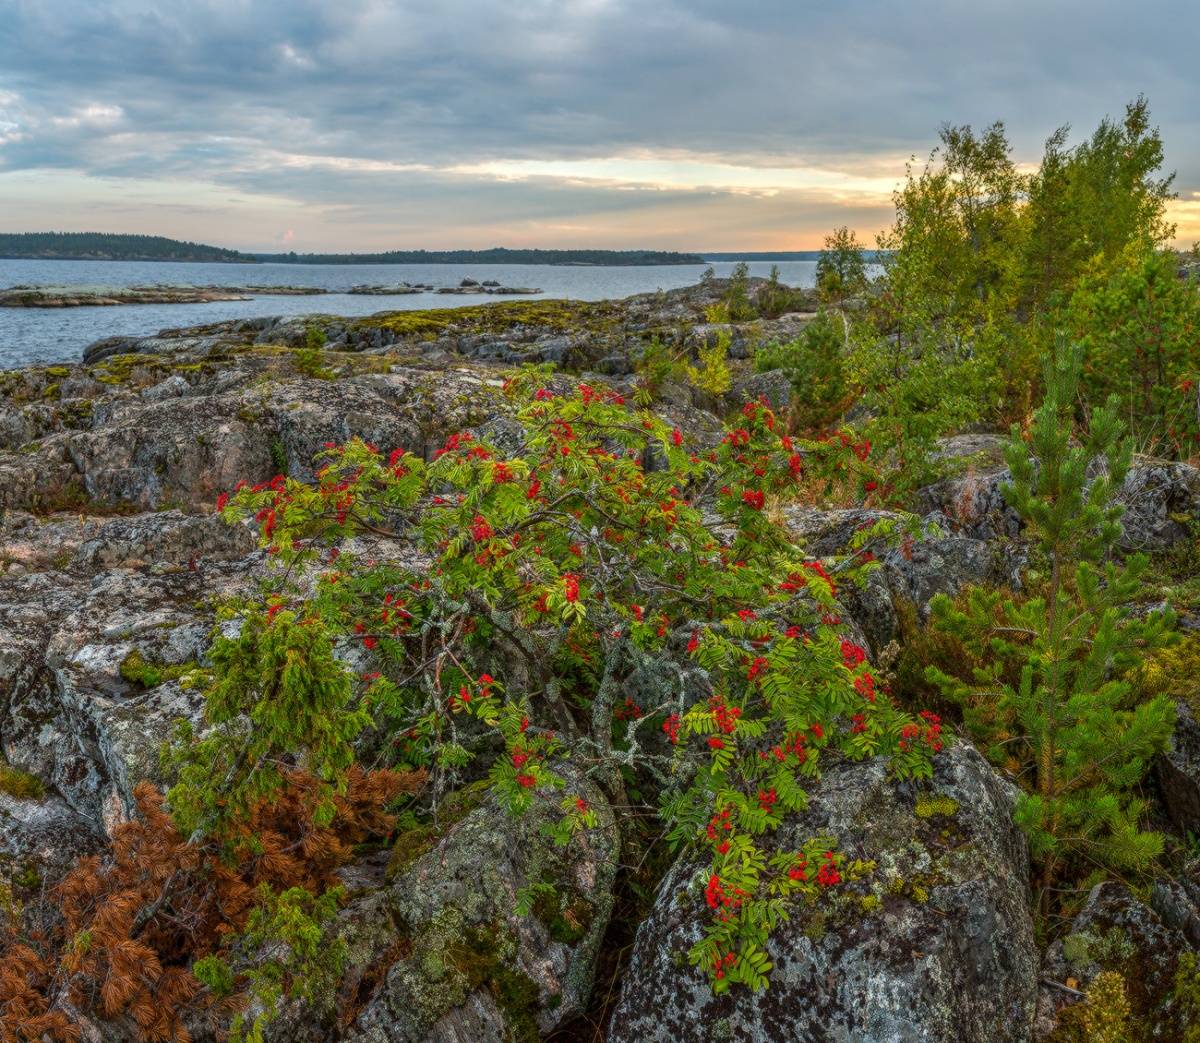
[316,125]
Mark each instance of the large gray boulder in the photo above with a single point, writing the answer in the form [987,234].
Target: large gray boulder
[478,972]
[41,839]
[100,619]
[913,570]
[933,944]
[143,447]
[1161,501]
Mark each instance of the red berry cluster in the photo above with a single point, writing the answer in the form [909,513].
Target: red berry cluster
[929,732]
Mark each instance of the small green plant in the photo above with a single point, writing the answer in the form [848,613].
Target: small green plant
[306,963]
[738,305]
[1187,995]
[774,298]
[657,365]
[717,313]
[1106,1015]
[713,375]
[279,457]
[20,784]
[137,669]
[1052,689]
[280,694]
[308,359]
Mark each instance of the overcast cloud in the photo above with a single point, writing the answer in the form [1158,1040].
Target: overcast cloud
[368,124]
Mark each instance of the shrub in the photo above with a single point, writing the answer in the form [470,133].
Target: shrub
[657,365]
[526,596]
[816,367]
[146,935]
[913,396]
[774,298]
[308,359]
[712,375]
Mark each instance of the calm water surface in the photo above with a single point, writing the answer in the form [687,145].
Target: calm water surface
[31,335]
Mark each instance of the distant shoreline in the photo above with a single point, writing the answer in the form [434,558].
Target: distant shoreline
[361,259]
[103,246]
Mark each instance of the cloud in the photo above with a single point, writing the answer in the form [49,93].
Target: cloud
[553,117]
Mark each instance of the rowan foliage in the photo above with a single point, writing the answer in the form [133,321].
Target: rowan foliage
[589,583]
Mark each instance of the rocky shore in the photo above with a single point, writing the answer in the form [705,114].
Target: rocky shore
[112,562]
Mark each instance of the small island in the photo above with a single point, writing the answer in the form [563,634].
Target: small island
[107,296]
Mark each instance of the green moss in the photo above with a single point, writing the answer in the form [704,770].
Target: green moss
[136,669]
[932,804]
[814,927]
[57,372]
[279,456]
[52,392]
[567,919]
[28,877]
[141,370]
[119,369]
[411,844]
[557,315]
[1186,993]
[446,959]
[1174,669]
[485,963]
[20,784]
[1107,948]
[415,837]
[76,412]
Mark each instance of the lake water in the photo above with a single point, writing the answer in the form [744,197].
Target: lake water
[33,335]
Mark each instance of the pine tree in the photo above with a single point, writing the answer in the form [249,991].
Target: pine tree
[1048,692]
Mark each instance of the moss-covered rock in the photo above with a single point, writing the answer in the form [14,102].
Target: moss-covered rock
[929,939]
[1128,965]
[438,947]
[473,952]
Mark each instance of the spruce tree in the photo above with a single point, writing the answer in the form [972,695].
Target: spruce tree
[1047,692]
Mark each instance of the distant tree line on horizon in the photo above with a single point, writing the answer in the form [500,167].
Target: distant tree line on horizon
[104,246]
